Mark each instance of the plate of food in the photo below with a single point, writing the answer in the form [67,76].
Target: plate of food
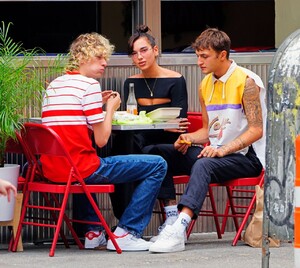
[164,114]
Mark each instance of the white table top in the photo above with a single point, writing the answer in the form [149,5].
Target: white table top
[155,125]
[158,125]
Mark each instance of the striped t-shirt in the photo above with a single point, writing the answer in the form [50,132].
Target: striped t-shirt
[72,103]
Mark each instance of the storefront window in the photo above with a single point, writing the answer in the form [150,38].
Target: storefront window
[53,25]
[250,24]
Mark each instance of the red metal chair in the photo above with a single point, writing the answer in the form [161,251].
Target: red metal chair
[240,203]
[195,118]
[41,140]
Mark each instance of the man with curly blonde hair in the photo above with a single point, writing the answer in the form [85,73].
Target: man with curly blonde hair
[72,106]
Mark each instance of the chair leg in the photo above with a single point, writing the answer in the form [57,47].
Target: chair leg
[225,217]
[102,220]
[214,210]
[244,221]
[232,207]
[54,216]
[70,227]
[162,210]
[59,220]
[190,228]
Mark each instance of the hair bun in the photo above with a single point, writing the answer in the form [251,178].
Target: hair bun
[142,29]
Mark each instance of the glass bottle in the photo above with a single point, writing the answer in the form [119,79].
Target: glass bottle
[131,104]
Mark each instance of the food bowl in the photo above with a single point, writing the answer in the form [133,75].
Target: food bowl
[164,114]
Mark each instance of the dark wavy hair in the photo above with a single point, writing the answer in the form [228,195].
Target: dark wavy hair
[141,31]
[213,38]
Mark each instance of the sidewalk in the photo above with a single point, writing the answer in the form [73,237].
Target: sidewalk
[202,250]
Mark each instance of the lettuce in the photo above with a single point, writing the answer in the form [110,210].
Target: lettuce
[124,118]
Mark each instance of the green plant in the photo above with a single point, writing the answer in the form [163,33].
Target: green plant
[20,84]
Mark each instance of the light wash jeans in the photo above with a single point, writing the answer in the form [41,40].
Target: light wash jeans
[149,170]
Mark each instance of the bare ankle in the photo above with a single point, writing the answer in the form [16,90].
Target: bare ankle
[170,202]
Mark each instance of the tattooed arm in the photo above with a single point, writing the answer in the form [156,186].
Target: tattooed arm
[251,102]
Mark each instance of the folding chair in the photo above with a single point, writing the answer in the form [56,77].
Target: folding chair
[240,203]
[41,140]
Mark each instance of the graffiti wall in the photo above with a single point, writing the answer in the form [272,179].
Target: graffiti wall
[283,99]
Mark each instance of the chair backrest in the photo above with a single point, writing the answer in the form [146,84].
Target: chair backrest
[14,145]
[195,118]
[16,151]
[42,140]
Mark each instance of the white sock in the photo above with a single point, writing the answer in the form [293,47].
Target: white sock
[120,231]
[182,222]
[171,212]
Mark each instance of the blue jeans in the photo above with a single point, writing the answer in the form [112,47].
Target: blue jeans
[148,170]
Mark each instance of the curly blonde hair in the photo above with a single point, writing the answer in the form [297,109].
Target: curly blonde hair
[87,46]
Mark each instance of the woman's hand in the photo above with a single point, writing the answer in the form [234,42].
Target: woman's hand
[182,127]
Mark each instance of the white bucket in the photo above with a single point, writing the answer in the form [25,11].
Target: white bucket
[10,173]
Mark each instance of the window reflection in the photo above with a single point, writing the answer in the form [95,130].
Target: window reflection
[53,25]
[250,24]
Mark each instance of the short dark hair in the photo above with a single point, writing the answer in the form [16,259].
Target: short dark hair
[213,38]
[141,31]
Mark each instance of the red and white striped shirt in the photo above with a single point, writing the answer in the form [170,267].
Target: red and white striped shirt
[72,104]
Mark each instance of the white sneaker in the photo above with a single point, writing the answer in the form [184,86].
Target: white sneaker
[169,221]
[160,228]
[94,239]
[128,242]
[169,240]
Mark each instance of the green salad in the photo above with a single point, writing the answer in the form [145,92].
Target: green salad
[124,118]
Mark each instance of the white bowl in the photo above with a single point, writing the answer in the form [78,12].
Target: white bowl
[164,114]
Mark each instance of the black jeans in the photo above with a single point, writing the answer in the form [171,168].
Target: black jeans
[205,170]
[139,142]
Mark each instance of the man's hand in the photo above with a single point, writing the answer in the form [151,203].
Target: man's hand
[183,143]
[108,94]
[113,101]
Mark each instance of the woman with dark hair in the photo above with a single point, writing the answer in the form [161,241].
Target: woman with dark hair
[154,87]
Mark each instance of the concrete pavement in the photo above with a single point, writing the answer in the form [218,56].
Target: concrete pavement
[202,250]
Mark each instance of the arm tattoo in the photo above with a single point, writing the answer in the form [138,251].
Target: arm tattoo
[251,102]
[233,146]
[253,111]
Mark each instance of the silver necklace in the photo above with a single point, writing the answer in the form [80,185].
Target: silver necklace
[151,91]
